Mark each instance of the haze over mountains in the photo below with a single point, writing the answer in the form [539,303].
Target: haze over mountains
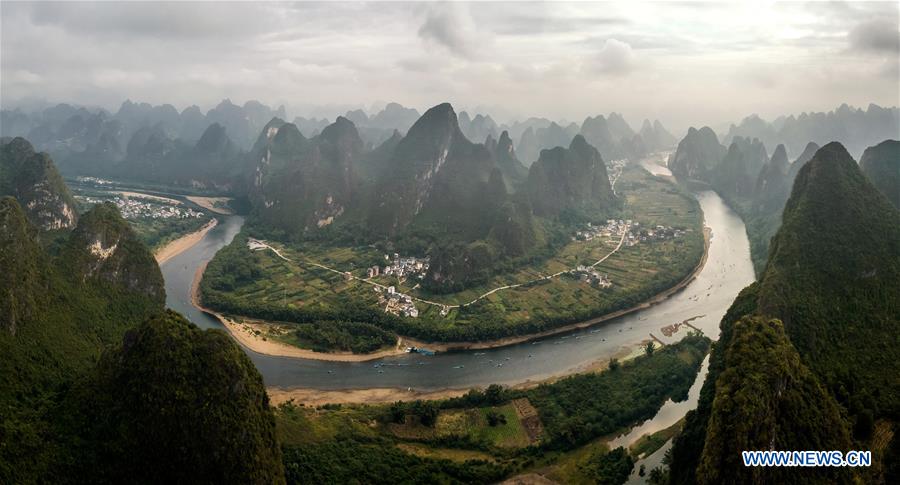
[758,186]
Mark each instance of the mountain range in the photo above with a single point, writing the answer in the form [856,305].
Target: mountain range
[757,186]
[431,190]
[881,164]
[855,128]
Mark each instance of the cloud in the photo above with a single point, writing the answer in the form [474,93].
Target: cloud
[877,36]
[451,26]
[178,19]
[535,59]
[523,24]
[616,58]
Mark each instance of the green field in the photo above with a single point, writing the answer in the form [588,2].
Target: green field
[470,424]
[390,443]
[637,273]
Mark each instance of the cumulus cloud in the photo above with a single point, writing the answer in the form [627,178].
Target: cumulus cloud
[878,36]
[614,58]
[450,25]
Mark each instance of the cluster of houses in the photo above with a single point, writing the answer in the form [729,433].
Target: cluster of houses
[587,274]
[396,303]
[135,208]
[401,267]
[93,180]
[658,233]
[612,228]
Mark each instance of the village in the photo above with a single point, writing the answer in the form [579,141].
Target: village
[396,303]
[137,208]
[587,274]
[403,268]
[658,233]
[411,268]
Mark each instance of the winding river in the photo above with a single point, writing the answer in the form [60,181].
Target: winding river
[728,269]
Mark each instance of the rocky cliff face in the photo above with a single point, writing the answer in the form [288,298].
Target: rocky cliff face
[514,173]
[656,136]
[104,248]
[433,143]
[697,154]
[772,187]
[301,185]
[805,156]
[881,164]
[569,179]
[737,173]
[33,180]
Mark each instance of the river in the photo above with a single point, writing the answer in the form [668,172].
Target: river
[727,271]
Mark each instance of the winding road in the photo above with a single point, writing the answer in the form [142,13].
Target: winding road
[259,245]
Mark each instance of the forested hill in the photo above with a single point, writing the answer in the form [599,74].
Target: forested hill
[881,164]
[831,280]
[32,178]
[59,312]
[167,404]
[833,276]
[202,417]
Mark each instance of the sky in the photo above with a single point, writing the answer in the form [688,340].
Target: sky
[683,63]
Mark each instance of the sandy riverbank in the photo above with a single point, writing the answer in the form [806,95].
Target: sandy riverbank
[316,397]
[383,395]
[183,243]
[250,333]
[141,195]
[209,203]
[245,331]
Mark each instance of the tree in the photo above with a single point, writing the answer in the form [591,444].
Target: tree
[493,394]
[495,418]
[865,425]
[427,412]
[650,347]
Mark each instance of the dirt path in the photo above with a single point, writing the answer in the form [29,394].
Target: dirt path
[183,243]
[488,344]
[266,245]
